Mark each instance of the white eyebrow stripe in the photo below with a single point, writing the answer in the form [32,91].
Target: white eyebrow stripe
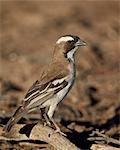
[65,39]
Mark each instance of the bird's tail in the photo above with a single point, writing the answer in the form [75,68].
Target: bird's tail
[15,118]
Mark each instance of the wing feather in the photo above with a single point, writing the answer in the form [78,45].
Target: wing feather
[49,84]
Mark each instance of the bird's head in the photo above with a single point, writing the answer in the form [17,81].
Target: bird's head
[68,45]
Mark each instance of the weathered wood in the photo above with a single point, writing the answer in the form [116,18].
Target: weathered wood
[103,147]
[20,133]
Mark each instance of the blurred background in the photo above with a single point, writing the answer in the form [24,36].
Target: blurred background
[28,32]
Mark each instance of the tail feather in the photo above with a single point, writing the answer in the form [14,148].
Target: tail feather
[15,118]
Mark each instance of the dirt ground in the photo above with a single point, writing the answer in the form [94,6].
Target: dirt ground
[28,31]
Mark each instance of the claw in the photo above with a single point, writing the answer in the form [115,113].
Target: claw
[47,123]
[60,132]
[57,131]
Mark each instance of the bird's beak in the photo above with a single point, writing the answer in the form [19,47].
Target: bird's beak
[80,43]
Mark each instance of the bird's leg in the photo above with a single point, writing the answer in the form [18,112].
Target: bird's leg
[45,117]
[57,129]
[50,116]
[47,122]
[41,115]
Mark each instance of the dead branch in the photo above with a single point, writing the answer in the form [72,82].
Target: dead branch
[102,147]
[103,137]
[20,133]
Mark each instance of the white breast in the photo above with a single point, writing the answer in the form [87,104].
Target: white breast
[63,92]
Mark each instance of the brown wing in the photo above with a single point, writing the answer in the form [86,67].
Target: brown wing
[44,89]
[54,71]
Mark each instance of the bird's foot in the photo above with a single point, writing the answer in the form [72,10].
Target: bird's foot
[57,131]
[60,132]
[47,123]
[46,120]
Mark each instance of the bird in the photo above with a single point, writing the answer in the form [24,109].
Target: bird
[53,85]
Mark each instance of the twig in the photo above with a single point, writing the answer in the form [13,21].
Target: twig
[102,147]
[21,133]
[103,137]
